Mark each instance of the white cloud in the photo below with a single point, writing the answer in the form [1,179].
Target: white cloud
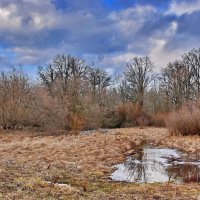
[112,63]
[37,15]
[8,21]
[33,56]
[110,71]
[118,59]
[172,29]
[158,52]
[130,20]
[160,56]
[183,7]
[42,21]
[36,30]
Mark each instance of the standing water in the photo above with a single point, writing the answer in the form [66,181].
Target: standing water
[158,165]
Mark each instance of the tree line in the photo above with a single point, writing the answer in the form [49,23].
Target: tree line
[72,95]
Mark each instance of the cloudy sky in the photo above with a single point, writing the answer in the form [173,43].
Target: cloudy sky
[106,33]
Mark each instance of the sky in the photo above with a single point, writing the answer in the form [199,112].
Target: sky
[105,33]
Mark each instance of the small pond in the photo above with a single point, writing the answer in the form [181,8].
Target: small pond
[151,164]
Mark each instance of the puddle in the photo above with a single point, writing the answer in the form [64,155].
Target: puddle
[152,164]
[102,130]
[58,184]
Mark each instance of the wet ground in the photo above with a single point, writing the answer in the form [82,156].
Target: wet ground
[150,164]
[67,166]
[88,132]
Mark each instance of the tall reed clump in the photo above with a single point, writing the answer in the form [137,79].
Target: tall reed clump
[186,120]
[132,115]
[122,111]
[157,119]
[76,123]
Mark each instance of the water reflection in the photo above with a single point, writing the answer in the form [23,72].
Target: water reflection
[158,165]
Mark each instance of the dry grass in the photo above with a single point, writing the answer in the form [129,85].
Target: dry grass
[84,163]
[186,120]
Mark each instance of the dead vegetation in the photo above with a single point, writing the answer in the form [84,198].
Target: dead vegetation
[56,162]
[186,120]
[73,96]
[29,163]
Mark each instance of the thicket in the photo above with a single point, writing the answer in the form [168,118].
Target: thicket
[186,120]
[70,95]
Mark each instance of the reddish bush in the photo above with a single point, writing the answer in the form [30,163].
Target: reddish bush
[186,120]
[133,115]
[122,111]
[158,120]
[76,123]
[135,112]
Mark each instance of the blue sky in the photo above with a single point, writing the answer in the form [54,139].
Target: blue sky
[107,33]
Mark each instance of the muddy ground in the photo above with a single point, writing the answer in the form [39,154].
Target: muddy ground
[33,165]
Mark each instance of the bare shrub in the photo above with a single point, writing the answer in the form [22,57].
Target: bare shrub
[134,112]
[185,121]
[15,98]
[122,112]
[76,123]
[94,115]
[158,119]
[133,115]
[47,113]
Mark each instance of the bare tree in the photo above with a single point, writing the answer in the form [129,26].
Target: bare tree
[99,81]
[76,85]
[191,61]
[179,81]
[63,69]
[48,76]
[138,76]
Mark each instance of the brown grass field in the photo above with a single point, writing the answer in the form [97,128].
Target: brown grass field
[32,165]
